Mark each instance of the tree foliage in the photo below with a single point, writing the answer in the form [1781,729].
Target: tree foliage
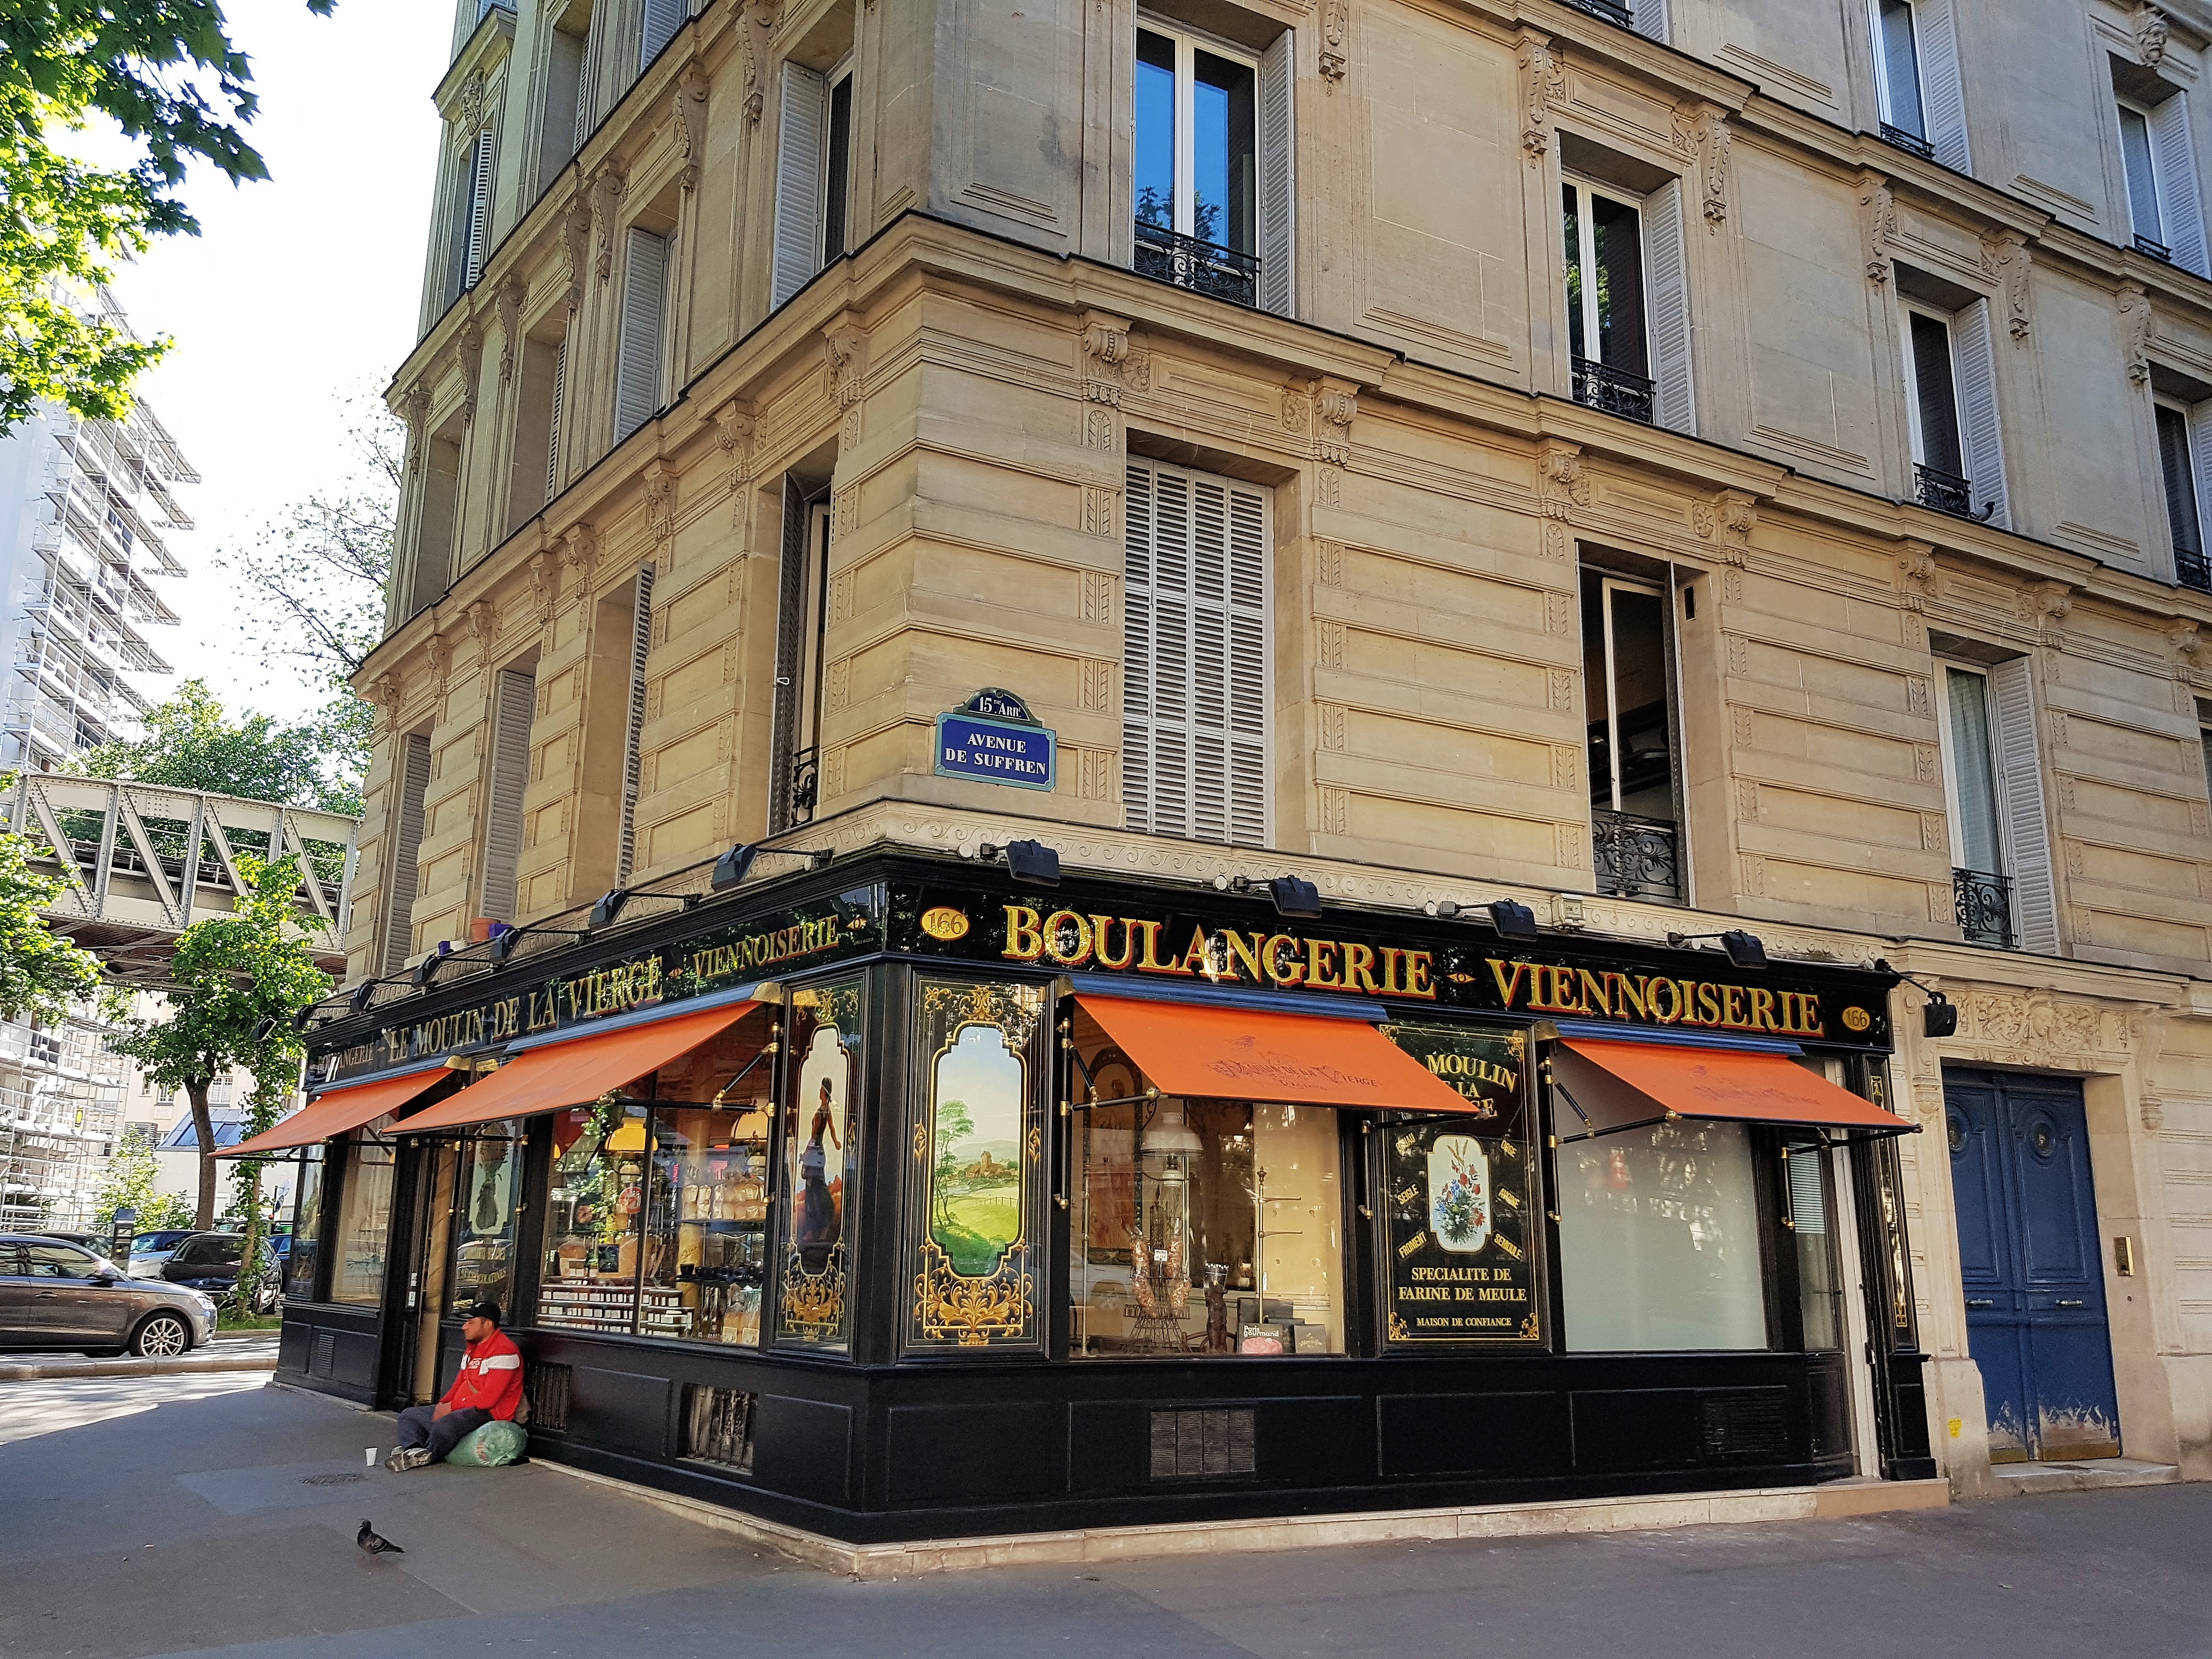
[41,973]
[236,983]
[132,1181]
[191,743]
[165,75]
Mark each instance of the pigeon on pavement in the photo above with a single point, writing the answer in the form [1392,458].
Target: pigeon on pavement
[367,1538]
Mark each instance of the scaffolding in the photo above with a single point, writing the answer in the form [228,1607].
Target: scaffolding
[61,1108]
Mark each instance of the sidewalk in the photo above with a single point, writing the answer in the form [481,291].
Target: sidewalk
[231,1351]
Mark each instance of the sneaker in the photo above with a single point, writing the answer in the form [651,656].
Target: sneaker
[415,1457]
[398,1460]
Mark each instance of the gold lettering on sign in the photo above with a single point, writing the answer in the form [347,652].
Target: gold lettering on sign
[1226,956]
[1546,989]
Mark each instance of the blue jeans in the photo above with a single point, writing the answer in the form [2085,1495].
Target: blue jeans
[420,1426]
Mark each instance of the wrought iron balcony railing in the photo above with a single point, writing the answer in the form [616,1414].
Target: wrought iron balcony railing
[1208,267]
[2156,250]
[803,787]
[1983,900]
[1908,140]
[1636,857]
[1946,492]
[1610,10]
[1614,391]
[2192,569]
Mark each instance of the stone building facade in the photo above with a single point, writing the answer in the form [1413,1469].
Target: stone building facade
[1792,414]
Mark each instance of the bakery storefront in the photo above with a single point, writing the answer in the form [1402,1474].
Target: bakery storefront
[908,1199]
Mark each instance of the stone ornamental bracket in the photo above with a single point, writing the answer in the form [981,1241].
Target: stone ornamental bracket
[1701,137]
[1105,348]
[2148,27]
[1543,88]
[508,306]
[1335,35]
[1335,407]
[608,185]
[1727,521]
[1877,224]
[687,120]
[576,245]
[2135,319]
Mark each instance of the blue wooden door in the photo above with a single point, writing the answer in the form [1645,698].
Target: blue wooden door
[2028,1254]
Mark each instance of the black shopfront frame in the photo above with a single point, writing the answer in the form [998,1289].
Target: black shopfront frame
[884,1442]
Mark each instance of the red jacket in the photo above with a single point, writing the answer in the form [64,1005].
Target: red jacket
[490,1378]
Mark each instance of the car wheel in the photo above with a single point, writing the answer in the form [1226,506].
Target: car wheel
[163,1336]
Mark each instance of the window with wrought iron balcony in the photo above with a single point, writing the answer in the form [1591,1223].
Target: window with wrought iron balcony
[1635,836]
[1948,364]
[2002,891]
[2183,442]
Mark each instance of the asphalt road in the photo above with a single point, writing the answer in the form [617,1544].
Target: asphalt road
[212,1515]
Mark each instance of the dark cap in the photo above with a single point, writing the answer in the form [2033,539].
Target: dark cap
[485,1311]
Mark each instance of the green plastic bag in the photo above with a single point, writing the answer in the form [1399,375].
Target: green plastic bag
[490,1446]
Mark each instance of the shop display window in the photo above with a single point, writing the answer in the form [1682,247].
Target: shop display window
[306,1228]
[1204,1227]
[976,1168]
[707,1224]
[595,1208]
[1659,1240]
[364,1229]
[491,1175]
[821,1164]
[1820,1284]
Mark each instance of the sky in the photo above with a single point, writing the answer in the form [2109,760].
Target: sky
[301,290]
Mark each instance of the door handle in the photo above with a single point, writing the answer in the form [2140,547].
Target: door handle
[1981,1302]
[48,1296]
[2070,1302]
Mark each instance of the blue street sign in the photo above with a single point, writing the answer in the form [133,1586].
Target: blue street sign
[994,751]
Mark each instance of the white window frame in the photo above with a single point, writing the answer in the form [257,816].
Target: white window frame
[2193,435]
[1906,309]
[1608,584]
[1947,743]
[1585,189]
[1885,95]
[840,75]
[1188,43]
[2123,106]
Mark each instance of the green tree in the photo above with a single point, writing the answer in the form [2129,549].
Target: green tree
[954,1125]
[191,743]
[166,75]
[41,973]
[236,983]
[130,1183]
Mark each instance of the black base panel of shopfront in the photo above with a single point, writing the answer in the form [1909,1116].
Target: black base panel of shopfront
[332,1349]
[881,1455]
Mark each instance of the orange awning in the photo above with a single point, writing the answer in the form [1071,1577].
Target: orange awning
[579,1069]
[339,1111]
[1663,1081]
[1309,1060]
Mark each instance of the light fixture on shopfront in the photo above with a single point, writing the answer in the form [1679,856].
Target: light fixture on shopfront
[1744,950]
[426,970]
[608,906]
[364,993]
[1511,919]
[1293,897]
[1031,861]
[729,869]
[1939,1015]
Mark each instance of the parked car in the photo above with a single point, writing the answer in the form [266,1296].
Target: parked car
[208,1262]
[54,1294]
[149,1250]
[98,1243]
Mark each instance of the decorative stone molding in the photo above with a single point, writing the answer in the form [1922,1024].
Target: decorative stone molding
[2046,606]
[507,305]
[687,121]
[2153,1111]
[413,408]
[2007,259]
[608,185]
[472,108]
[544,585]
[659,487]
[1335,406]
[1543,88]
[1877,224]
[734,430]
[576,245]
[845,352]
[2181,634]
[438,658]
[580,551]
[470,343]
[756,32]
[1916,568]
[1706,132]
[2149,27]
[1727,521]
[2136,322]
[1105,350]
[1335,36]
[1561,483]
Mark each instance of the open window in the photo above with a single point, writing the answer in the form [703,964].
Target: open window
[2166,213]
[1213,190]
[568,113]
[802,622]
[2002,884]
[813,173]
[642,348]
[1951,406]
[1635,772]
[1916,80]
[2181,460]
[1627,287]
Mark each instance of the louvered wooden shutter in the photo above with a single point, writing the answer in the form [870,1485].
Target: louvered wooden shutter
[553,427]
[662,18]
[515,702]
[634,735]
[413,765]
[1978,409]
[798,181]
[1943,91]
[1649,18]
[2200,453]
[1277,177]
[1195,752]
[1667,285]
[1809,1204]
[2027,834]
[2175,158]
[479,207]
[637,362]
[585,103]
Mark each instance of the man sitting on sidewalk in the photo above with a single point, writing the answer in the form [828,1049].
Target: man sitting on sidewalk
[488,1389]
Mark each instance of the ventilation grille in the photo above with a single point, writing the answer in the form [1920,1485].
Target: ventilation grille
[1202,1445]
[326,1345]
[1743,1425]
[717,1426]
[546,1387]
